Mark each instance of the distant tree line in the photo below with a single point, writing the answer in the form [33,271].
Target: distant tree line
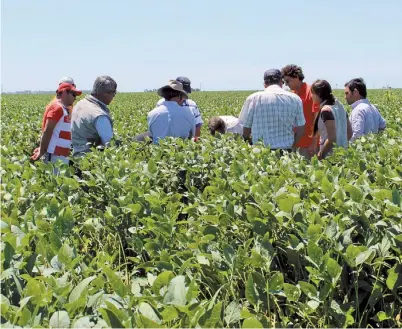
[155,90]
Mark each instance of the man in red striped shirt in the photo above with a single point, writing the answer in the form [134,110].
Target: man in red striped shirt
[55,143]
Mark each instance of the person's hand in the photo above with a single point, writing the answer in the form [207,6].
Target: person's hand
[36,154]
[319,156]
[312,149]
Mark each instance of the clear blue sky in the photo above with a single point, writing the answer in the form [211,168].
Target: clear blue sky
[222,44]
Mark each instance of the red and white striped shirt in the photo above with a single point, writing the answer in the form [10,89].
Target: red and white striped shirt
[60,142]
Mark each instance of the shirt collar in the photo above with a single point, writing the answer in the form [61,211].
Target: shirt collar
[302,90]
[360,101]
[274,87]
[97,101]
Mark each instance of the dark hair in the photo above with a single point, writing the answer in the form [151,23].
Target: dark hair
[323,90]
[293,71]
[168,94]
[216,124]
[357,83]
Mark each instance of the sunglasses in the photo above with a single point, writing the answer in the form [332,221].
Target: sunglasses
[112,92]
[72,93]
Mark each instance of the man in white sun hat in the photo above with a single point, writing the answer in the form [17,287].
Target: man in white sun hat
[171,118]
[190,103]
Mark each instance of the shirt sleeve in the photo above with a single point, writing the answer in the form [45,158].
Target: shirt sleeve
[104,129]
[383,123]
[197,114]
[247,113]
[299,120]
[357,122]
[245,109]
[328,115]
[55,112]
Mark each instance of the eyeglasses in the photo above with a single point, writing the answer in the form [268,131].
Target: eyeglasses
[114,92]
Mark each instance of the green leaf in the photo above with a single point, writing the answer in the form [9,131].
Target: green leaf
[308,289]
[355,193]
[276,282]
[111,319]
[211,318]
[162,280]
[251,293]
[176,294]
[252,323]
[292,292]
[202,260]
[152,166]
[314,252]
[232,313]
[148,311]
[364,256]
[327,187]
[381,316]
[117,284]
[66,254]
[333,269]
[59,319]
[396,196]
[392,278]
[84,322]
[79,289]
[169,313]
[287,203]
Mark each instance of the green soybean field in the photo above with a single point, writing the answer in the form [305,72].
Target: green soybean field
[214,233]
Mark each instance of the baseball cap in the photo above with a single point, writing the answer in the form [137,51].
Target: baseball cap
[68,86]
[272,75]
[67,80]
[186,84]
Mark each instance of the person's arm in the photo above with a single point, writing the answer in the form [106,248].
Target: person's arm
[248,116]
[299,132]
[383,123]
[45,140]
[357,122]
[349,128]
[299,123]
[245,109]
[331,140]
[104,128]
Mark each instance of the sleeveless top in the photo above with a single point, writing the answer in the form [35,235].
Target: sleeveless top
[341,124]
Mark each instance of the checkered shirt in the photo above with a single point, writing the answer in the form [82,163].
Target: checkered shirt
[272,115]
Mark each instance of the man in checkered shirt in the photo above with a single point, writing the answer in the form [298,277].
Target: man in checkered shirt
[274,115]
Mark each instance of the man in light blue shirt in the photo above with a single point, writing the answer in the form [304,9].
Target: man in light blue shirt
[365,117]
[190,103]
[171,119]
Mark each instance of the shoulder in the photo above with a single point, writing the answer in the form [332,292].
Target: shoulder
[54,107]
[160,102]
[190,102]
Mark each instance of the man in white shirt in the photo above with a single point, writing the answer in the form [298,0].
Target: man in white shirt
[190,103]
[365,117]
[224,124]
[171,119]
[274,115]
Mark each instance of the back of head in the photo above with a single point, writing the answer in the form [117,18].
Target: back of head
[357,83]
[103,84]
[272,77]
[323,90]
[293,71]
[216,124]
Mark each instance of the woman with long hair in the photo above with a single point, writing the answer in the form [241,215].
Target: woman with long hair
[332,122]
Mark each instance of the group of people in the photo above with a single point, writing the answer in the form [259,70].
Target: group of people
[307,119]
